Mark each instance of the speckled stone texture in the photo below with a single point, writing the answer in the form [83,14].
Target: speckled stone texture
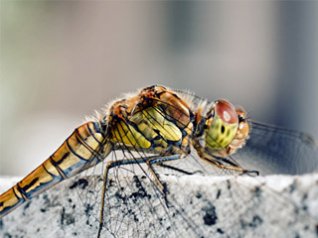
[193,206]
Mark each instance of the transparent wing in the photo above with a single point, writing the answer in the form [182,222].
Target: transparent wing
[134,207]
[199,206]
[276,150]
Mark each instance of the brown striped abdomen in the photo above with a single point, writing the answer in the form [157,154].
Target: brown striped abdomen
[79,151]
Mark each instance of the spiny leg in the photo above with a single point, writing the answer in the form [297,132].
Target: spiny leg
[217,162]
[222,163]
[177,169]
[229,160]
[155,176]
[251,172]
[113,164]
[160,160]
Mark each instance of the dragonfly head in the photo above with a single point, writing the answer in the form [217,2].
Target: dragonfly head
[226,128]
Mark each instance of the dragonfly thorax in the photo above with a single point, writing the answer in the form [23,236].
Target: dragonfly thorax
[154,120]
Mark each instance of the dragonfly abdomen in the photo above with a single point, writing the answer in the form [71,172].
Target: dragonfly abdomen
[79,151]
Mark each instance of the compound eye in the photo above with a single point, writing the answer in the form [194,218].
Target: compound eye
[226,111]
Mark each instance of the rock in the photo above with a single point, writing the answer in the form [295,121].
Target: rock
[192,206]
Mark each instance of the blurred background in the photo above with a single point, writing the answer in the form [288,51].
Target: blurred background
[61,60]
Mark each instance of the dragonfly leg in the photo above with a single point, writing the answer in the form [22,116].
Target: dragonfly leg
[251,172]
[231,162]
[117,163]
[233,167]
[156,177]
[220,165]
[178,169]
[159,161]
[158,183]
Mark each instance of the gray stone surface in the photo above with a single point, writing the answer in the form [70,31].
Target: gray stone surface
[195,206]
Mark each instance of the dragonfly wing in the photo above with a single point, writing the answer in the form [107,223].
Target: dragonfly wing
[275,150]
[134,207]
[197,206]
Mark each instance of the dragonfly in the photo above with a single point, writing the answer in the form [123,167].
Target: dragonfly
[157,126]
